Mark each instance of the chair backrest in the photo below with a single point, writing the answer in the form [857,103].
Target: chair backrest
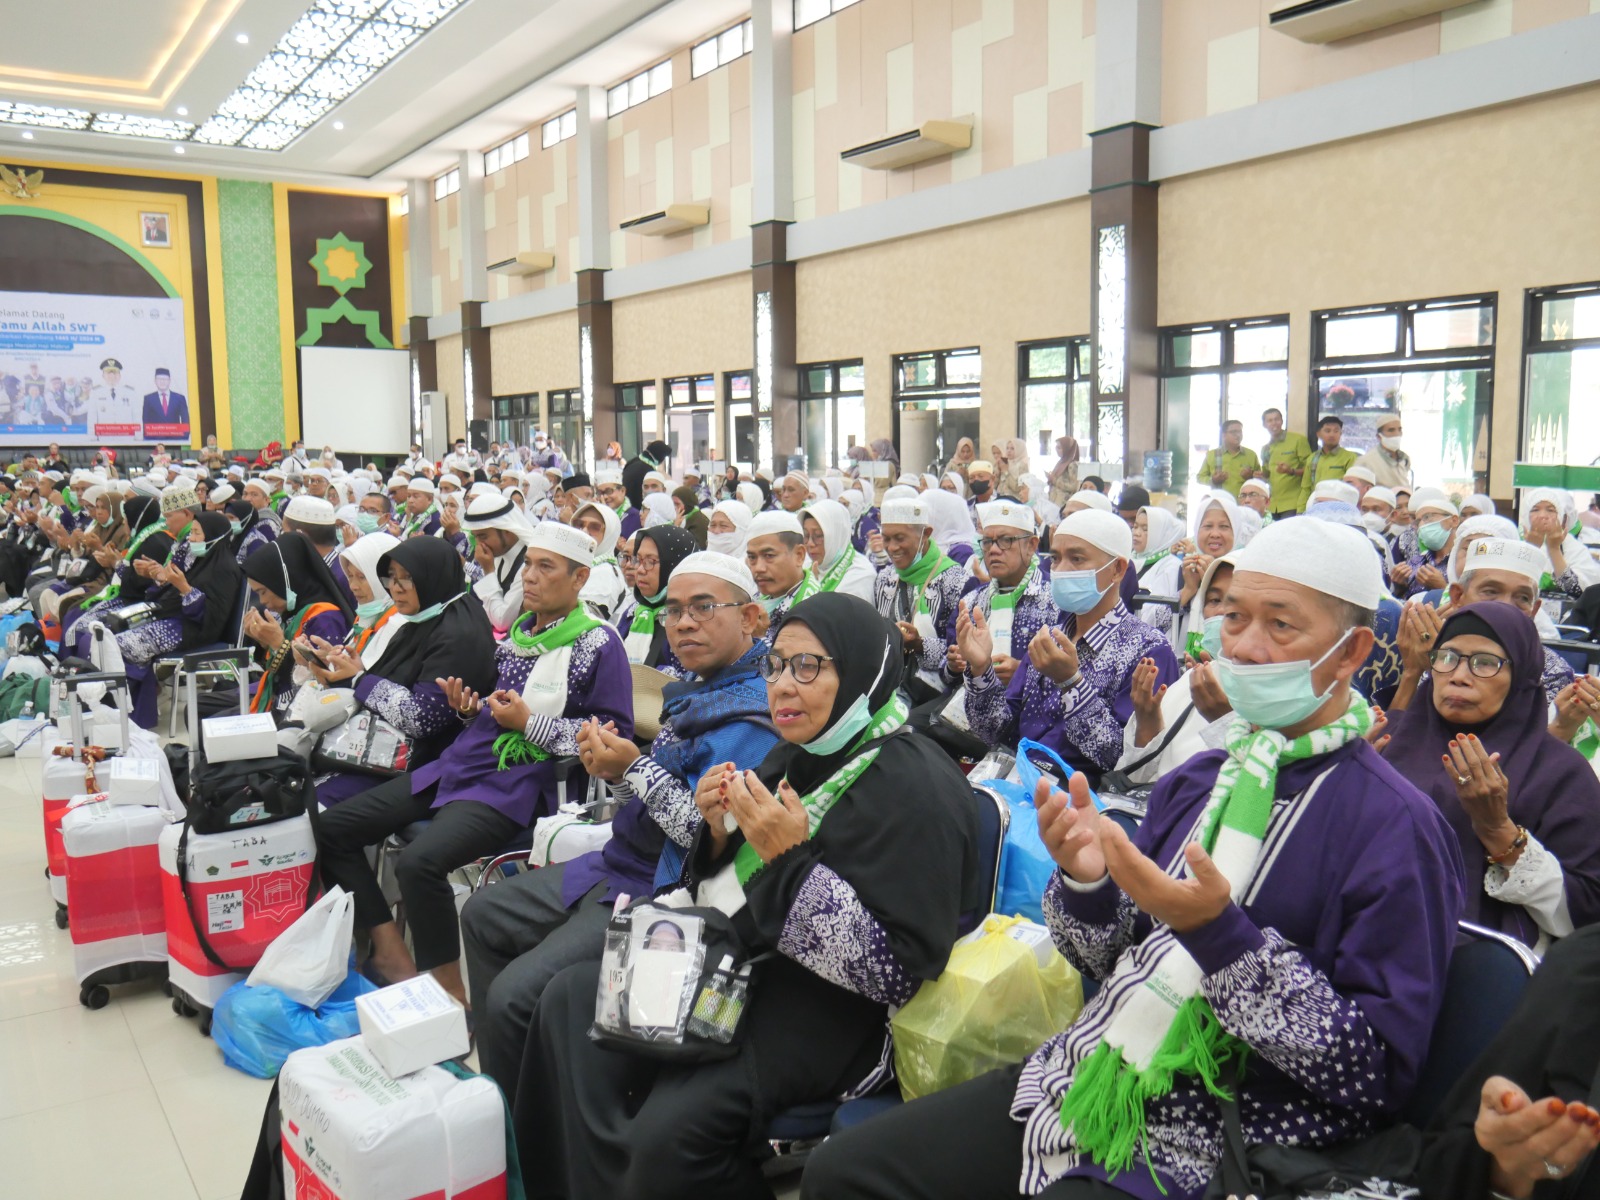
[1488,974]
[1582,657]
[994,815]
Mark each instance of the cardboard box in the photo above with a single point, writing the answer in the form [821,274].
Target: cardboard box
[411,1025]
[229,739]
[134,781]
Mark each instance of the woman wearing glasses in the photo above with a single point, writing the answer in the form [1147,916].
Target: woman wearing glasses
[656,554]
[297,597]
[852,859]
[1525,805]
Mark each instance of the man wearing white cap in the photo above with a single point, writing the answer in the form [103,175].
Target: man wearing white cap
[1360,478]
[316,481]
[775,552]
[608,486]
[317,520]
[606,588]
[416,462]
[422,510]
[1073,692]
[1390,465]
[1257,494]
[1015,604]
[1424,569]
[794,490]
[518,935]
[1083,500]
[558,668]
[1327,973]
[502,533]
[919,591]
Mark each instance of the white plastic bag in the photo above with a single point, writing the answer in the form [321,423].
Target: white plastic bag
[104,651]
[310,958]
[320,709]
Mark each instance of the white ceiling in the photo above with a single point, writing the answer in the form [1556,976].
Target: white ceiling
[489,70]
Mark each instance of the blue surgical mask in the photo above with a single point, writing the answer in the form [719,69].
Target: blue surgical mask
[238,526]
[367,522]
[427,614]
[1274,695]
[850,723]
[1433,536]
[1076,592]
[372,608]
[1211,636]
[198,550]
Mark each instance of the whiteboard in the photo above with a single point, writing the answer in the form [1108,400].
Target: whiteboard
[356,400]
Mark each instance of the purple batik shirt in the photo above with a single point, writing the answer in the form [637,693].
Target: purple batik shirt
[630,524]
[1331,969]
[599,686]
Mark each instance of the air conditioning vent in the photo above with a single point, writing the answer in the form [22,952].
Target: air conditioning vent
[1322,21]
[932,139]
[675,218]
[529,262]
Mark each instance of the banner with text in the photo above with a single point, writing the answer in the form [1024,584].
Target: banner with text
[82,370]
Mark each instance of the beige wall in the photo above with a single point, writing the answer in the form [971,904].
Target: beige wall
[1497,201]
[535,356]
[533,205]
[1021,70]
[448,287]
[991,284]
[453,383]
[1220,54]
[684,331]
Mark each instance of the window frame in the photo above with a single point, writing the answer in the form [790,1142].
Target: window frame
[747,44]
[1075,347]
[942,390]
[447,184]
[830,397]
[833,8]
[507,153]
[1535,345]
[657,80]
[563,127]
[514,417]
[702,392]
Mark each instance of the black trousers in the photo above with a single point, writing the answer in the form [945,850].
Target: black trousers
[959,1144]
[457,834]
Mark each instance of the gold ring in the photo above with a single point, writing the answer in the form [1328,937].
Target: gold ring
[1463,779]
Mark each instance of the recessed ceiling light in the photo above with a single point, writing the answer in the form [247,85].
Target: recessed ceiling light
[242,38]
[27,135]
[183,110]
[338,124]
[177,149]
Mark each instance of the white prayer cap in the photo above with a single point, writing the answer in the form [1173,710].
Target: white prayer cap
[752,496]
[495,512]
[1336,560]
[446,480]
[1506,554]
[774,521]
[1008,514]
[1362,473]
[1425,498]
[900,491]
[483,488]
[657,476]
[422,484]
[179,495]
[82,476]
[319,472]
[1103,530]
[273,473]
[347,516]
[908,480]
[396,481]
[1334,489]
[93,492]
[911,511]
[1382,495]
[1097,501]
[158,476]
[309,510]
[404,472]
[800,477]
[564,540]
[602,476]
[720,566]
[222,493]
[1260,485]
[260,485]
[1486,525]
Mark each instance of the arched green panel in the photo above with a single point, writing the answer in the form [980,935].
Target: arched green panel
[132,251]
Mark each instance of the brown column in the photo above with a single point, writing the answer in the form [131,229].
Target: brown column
[776,380]
[424,369]
[1124,233]
[594,365]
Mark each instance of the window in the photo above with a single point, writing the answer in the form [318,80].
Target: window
[809,12]
[1431,363]
[1222,371]
[565,416]
[944,383]
[636,416]
[691,400]
[833,412]
[558,129]
[403,208]
[1054,396]
[447,184]
[640,88]
[721,49]
[739,408]
[515,418]
[1561,410]
[504,155]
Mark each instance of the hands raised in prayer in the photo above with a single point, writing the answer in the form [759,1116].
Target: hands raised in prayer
[1531,1141]
[1054,655]
[462,699]
[1575,704]
[771,824]
[1147,703]
[974,643]
[604,754]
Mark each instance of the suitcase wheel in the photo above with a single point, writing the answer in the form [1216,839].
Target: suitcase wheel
[61,916]
[166,987]
[94,996]
[205,1023]
[183,1008]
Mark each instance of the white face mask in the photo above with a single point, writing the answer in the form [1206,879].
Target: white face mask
[1374,521]
[1391,444]
[725,543]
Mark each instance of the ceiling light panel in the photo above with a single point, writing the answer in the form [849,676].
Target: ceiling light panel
[334,48]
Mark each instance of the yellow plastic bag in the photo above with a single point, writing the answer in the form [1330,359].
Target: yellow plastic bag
[995,1004]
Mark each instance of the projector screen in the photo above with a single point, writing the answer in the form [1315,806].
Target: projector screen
[354,399]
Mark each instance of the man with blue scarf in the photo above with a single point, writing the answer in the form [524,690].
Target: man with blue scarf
[519,934]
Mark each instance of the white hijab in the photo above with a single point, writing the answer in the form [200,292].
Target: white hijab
[607,547]
[364,554]
[1164,528]
[834,521]
[952,519]
[733,543]
[658,510]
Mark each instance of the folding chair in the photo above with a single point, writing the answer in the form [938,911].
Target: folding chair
[180,662]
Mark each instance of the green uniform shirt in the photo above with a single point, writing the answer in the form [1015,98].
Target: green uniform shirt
[1239,464]
[1325,466]
[1291,450]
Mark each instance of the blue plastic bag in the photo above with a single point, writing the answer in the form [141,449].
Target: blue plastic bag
[1029,773]
[258,1027]
[1025,864]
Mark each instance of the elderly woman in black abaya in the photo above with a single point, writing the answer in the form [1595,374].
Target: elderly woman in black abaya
[298,597]
[852,880]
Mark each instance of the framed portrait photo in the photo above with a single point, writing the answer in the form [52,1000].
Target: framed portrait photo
[155,230]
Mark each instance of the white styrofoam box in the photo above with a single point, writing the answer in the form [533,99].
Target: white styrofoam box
[228,739]
[349,1132]
[565,835]
[245,889]
[411,1025]
[115,878]
[134,781]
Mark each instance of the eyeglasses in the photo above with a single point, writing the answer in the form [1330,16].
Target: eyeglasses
[1005,541]
[1484,665]
[701,611]
[804,667]
[391,582]
[646,564]
[625,560]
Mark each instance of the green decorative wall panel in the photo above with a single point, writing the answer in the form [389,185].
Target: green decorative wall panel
[250,292]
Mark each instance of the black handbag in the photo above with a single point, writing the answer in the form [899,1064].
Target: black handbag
[227,796]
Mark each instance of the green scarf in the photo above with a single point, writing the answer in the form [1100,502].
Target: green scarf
[835,575]
[512,747]
[114,589]
[817,802]
[1104,1109]
[421,519]
[934,561]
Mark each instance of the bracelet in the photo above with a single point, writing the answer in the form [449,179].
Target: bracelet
[1518,844]
[1073,682]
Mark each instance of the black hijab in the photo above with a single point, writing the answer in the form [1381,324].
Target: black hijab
[673,545]
[908,851]
[217,575]
[142,511]
[1553,791]
[293,563]
[459,641]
